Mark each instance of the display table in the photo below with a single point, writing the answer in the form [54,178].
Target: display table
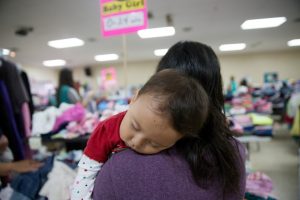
[247,139]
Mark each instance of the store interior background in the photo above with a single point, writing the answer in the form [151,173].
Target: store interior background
[213,22]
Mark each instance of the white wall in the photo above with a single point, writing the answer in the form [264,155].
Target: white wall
[42,74]
[137,73]
[286,63]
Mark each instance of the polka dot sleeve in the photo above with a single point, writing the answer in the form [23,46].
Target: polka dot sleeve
[84,182]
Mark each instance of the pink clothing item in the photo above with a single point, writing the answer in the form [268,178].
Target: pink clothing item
[259,184]
[75,113]
[236,101]
[243,120]
[237,128]
[260,102]
[266,108]
[86,125]
[27,129]
[26,119]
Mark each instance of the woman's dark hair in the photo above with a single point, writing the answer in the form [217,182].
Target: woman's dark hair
[180,98]
[65,78]
[214,152]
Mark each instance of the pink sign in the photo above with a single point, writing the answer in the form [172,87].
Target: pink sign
[122,17]
[108,78]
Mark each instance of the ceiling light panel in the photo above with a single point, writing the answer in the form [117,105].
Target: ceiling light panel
[294,42]
[160,52]
[106,57]
[54,63]
[157,32]
[263,23]
[5,52]
[232,47]
[66,43]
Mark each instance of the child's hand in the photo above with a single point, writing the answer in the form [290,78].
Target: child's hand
[25,166]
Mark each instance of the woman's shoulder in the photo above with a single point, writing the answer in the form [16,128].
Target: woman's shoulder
[240,148]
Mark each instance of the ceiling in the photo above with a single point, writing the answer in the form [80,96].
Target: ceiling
[213,22]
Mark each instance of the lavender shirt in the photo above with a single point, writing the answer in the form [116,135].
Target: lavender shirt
[131,176]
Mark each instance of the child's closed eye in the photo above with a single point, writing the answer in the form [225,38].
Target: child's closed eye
[134,127]
[153,144]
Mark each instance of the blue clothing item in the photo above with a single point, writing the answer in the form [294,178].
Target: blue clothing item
[266,132]
[18,196]
[248,129]
[29,184]
[8,124]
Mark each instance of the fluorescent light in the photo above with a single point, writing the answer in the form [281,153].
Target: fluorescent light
[106,57]
[232,47]
[160,52]
[263,23]
[66,43]
[156,32]
[294,42]
[5,52]
[54,63]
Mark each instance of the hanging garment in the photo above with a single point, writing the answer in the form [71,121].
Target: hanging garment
[295,131]
[26,119]
[293,104]
[28,90]
[15,87]
[8,124]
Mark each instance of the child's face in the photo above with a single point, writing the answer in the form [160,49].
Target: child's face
[146,131]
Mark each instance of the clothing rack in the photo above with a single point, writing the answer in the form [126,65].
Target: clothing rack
[15,118]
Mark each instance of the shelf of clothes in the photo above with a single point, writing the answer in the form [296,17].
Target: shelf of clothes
[253,111]
[72,124]
[250,116]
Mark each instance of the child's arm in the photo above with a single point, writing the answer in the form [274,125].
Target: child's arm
[85,179]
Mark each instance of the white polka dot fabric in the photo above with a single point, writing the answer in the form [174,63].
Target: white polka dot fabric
[84,182]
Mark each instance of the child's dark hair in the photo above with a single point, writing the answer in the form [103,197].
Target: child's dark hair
[179,97]
[214,154]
